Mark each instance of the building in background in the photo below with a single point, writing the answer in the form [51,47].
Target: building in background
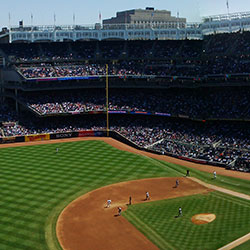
[149,16]
[137,24]
[4,35]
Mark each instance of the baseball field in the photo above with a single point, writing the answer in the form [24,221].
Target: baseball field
[39,186]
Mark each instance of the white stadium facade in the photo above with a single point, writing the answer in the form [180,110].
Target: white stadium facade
[225,23]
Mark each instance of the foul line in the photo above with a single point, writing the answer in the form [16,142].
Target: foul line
[242,239]
[223,190]
[236,242]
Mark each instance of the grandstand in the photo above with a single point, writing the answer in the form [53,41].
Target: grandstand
[184,98]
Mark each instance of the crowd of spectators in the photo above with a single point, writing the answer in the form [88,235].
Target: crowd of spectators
[221,54]
[8,117]
[6,114]
[217,142]
[227,144]
[73,70]
[229,103]
[211,154]
[235,43]
[27,125]
[14,129]
[38,52]
[217,65]
[224,66]
[219,44]
[242,163]
[191,140]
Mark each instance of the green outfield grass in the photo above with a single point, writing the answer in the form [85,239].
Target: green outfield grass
[244,246]
[159,221]
[36,183]
[235,184]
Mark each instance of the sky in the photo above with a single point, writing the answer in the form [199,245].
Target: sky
[87,12]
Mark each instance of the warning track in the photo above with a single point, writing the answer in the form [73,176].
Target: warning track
[120,220]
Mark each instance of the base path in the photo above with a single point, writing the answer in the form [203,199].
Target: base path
[226,191]
[118,231]
[87,223]
[220,189]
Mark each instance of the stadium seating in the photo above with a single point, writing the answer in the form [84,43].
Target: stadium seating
[209,123]
[214,103]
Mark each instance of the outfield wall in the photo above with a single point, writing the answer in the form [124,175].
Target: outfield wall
[39,137]
[102,133]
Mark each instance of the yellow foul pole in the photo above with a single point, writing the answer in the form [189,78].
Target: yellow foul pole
[107,98]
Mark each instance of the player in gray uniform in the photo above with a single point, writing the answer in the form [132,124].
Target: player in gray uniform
[177,183]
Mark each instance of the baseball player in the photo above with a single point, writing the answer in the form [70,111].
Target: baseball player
[130,200]
[214,174]
[57,150]
[177,183]
[147,196]
[180,212]
[108,203]
[119,211]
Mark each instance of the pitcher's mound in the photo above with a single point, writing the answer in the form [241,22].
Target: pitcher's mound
[203,218]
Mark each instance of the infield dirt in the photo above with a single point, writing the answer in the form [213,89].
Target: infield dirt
[104,230]
[87,223]
[199,219]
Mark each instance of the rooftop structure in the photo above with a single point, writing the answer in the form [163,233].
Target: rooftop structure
[136,24]
[149,16]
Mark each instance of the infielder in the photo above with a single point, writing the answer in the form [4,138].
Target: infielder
[119,211]
[177,183]
[130,200]
[147,196]
[108,203]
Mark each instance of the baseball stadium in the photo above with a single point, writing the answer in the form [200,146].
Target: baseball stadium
[129,136]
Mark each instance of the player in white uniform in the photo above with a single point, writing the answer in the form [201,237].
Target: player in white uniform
[108,203]
[180,211]
[147,196]
[119,211]
[214,174]
[57,150]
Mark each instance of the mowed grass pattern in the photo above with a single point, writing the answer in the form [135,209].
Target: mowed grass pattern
[235,184]
[158,221]
[34,180]
[244,246]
